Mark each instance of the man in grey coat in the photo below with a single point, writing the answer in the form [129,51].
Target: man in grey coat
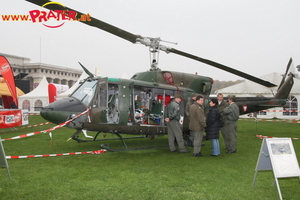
[172,117]
[187,112]
[222,104]
[232,114]
[197,124]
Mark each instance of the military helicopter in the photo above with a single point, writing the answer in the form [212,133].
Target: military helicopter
[136,106]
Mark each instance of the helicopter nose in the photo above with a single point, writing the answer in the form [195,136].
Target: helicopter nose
[59,111]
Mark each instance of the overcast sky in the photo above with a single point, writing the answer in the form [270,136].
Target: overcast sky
[254,36]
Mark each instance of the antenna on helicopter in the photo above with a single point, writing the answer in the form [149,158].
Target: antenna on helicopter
[154,47]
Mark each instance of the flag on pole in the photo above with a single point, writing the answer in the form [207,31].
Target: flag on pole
[6,72]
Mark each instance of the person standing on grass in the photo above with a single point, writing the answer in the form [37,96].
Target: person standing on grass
[213,126]
[189,103]
[197,124]
[187,112]
[232,114]
[222,104]
[172,117]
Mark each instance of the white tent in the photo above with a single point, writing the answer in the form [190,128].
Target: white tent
[251,89]
[71,90]
[35,99]
[38,98]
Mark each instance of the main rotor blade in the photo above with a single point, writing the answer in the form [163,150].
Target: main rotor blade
[286,71]
[93,22]
[223,67]
[134,38]
[86,70]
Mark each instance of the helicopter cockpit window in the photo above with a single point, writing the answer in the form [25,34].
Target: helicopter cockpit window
[100,97]
[85,92]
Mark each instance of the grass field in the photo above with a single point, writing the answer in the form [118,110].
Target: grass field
[141,174]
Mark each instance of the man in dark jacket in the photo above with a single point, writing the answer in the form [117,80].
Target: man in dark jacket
[232,114]
[172,117]
[197,124]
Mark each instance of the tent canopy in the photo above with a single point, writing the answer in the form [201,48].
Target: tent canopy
[5,91]
[40,91]
[249,88]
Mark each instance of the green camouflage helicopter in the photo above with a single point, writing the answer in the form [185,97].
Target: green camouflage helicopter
[136,106]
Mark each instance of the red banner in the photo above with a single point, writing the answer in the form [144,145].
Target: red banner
[6,72]
[51,92]
[10,118]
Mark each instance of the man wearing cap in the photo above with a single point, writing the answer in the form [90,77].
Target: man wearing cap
[172,117]
[232,114]
[197,124]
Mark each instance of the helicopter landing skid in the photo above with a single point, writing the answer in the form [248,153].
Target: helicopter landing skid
[93,140]
[105,146]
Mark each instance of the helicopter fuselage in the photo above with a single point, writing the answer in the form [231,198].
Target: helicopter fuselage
[134,106]
[137,105]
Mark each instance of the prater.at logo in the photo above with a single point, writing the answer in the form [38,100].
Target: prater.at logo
[56,18]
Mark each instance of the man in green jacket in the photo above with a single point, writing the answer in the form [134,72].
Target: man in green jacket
[197,124]
[172,117]
[189,103]
[232,114]
[187,112]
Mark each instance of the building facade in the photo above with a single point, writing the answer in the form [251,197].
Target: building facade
[36,71]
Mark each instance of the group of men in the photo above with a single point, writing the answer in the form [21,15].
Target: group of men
[197,122]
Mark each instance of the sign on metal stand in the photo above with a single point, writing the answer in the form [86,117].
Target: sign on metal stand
[3,161]
[278,154]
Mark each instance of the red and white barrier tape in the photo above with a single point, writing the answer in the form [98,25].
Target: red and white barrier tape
[294,121]
[37,125]
[262,137]
[62,154]
[48,130]
[274,120]
[267,120]
[66,122]
[288,111]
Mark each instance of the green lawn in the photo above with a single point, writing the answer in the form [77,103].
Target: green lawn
[141,174]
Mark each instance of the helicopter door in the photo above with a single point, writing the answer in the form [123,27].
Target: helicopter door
[99,105]
[112,109]
[131,113]
[105,106]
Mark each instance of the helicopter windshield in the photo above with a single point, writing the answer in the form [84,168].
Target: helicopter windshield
[85,92]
